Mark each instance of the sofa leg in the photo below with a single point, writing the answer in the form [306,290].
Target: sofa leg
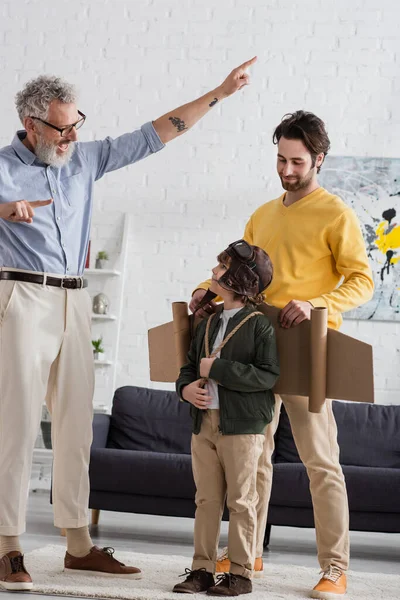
[267,536]
[63,532]
[95,516]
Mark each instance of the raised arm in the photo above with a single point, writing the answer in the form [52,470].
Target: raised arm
[180,120]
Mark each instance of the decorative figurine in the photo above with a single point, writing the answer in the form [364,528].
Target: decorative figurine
[101,304]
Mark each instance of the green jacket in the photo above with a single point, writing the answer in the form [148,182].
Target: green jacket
[246,373]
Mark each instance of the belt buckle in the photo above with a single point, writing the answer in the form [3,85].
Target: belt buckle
[66,280]
[70,280]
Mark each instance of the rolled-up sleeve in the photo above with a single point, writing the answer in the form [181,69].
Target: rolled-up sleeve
[110,154]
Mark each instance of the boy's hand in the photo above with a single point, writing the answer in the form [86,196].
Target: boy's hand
[205,366]
[196,395]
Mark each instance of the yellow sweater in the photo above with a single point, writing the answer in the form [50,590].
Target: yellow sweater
[313,244]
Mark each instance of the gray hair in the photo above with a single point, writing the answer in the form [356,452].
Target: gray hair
[35,98]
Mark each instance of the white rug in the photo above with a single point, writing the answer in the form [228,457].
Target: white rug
[160,573]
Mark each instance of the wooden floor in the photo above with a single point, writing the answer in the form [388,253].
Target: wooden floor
[371,552]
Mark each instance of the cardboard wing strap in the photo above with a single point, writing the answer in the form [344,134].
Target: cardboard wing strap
[315,361]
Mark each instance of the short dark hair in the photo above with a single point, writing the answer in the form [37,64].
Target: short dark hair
[308,128]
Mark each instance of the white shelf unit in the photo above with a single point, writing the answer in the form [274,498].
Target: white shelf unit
[96,317]
[112,283]
[103,272]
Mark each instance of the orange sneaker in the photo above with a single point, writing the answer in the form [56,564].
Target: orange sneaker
[224,564]
[332,584]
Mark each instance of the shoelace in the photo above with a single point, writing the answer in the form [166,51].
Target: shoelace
[232,580]
[110,551]
[192,574]
[332,573]
[223,555]
[17,564]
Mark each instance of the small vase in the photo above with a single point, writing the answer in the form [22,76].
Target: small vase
[100,263]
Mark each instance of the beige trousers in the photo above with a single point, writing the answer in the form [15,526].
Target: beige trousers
[225,466]
[315,436]
[45,353]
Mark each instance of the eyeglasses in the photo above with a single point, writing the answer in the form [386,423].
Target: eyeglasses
[65,130]
[243,251]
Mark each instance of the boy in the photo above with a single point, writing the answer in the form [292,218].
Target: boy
[229,417]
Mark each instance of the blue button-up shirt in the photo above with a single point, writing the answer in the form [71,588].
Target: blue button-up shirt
[57,240]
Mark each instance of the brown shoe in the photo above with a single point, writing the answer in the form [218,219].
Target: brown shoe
[196,581]
[13,575]
[100,561]
[229,584]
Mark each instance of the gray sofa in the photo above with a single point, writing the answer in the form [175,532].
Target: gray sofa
[141,463]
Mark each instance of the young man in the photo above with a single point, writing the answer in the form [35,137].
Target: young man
[229,417]
[319,257]
[45,341]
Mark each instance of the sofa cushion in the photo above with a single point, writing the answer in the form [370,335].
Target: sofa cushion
[368,435]
[368,489]
[373,489]
[141,473]
[149,420]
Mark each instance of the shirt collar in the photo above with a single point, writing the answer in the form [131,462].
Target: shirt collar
[23,152]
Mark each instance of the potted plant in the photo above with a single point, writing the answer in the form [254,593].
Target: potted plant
[97,348]
[101,259]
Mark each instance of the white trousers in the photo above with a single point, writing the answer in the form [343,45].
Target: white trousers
[45,354]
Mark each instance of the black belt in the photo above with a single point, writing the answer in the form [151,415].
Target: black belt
[67,283]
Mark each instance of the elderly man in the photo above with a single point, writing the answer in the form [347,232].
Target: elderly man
[46,192]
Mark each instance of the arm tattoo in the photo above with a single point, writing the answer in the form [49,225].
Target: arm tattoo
[178,123]
[214,102]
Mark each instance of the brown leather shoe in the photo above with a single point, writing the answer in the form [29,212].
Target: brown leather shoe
[100,561]
[13,575]
[229,584]
[196,581]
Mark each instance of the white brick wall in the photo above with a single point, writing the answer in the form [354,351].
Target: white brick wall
[135,59]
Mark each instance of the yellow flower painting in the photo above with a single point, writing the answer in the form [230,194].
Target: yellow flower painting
[371,186]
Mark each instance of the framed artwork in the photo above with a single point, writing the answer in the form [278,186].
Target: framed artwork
[371,186]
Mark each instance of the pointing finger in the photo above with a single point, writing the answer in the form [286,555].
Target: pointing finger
[248,63]
[37,203]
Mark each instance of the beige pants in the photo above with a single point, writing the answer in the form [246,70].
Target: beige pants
[225,466]
[315,436]
[45,353]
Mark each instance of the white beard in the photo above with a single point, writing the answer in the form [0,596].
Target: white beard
[47,153]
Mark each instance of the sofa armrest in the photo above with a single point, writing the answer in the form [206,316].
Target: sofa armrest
[101,426]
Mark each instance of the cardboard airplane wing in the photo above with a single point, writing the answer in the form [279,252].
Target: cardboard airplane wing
[315,361]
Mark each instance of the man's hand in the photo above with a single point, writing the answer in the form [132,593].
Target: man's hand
[207,310]
[237,79]
[21,211]
[196,395]
[295,313]
[205,366]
